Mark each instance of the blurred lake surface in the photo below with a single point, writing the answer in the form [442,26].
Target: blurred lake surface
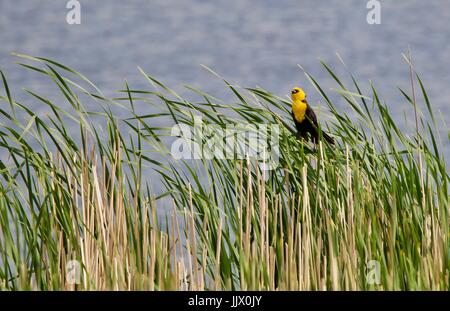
[251,43]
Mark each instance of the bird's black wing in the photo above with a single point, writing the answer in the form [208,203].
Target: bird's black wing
[311,116]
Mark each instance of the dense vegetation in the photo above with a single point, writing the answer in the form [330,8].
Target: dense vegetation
[371,212]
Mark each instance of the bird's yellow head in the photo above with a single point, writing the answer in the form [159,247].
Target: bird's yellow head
[298,95]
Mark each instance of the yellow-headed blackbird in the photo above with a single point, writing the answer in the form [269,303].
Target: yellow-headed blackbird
[305,119]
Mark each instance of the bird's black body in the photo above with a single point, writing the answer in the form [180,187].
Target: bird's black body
[310,126]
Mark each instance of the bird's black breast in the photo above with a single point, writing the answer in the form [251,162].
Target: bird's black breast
[309,127]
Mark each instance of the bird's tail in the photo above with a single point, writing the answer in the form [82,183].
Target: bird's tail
[328,138]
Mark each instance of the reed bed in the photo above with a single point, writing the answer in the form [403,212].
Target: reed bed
[77,211]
